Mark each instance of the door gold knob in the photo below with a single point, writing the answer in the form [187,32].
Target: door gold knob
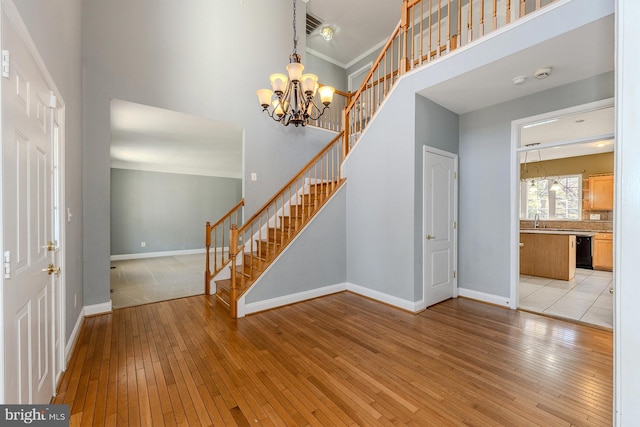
[52,269]
[50,246]
[430,237]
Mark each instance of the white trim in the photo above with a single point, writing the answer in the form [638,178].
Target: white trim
[425,150]
[88,310]
[325,57]
[161,254]
[484,297]
[255,307]
[68,350]
[241,301]
[12,13]
[514,183]
[356,72]
[412,306]
[91,310]
[367,52]
[177,170]
[354,61]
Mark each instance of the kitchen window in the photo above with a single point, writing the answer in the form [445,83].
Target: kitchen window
[563,202]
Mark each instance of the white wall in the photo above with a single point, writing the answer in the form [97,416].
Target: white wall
[627,224]
[55,29]
[198,57]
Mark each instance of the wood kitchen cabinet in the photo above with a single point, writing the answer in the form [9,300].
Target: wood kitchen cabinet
[603,251]
[548,255]
[601,193]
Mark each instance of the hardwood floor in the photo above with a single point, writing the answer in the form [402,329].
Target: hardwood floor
[337,360]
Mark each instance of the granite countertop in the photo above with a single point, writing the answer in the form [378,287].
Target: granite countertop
[568,232]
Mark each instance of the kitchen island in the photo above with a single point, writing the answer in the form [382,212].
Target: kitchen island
[548,253]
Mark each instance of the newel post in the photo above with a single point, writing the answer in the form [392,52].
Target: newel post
[233,252]
[403,67]
[346,131]
[207,272]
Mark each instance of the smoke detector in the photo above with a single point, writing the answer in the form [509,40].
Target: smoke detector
[542,73]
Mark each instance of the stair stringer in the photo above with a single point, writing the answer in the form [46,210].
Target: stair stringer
[322,237]
[225,273]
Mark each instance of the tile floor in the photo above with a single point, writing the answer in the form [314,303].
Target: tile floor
[585,298]
[141,281]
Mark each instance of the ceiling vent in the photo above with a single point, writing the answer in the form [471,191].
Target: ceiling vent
[312,23]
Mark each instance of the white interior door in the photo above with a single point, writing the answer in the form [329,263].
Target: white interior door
[439,226]
[27,167]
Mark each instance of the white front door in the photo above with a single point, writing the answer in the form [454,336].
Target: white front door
[439,226]
[27,192]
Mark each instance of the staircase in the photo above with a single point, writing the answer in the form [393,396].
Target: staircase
[254,246]
[426,31]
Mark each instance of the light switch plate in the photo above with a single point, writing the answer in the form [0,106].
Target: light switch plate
[594,217]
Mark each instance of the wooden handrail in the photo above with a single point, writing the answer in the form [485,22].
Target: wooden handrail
[297,176]
[263,236]
[376,63]
[416,25]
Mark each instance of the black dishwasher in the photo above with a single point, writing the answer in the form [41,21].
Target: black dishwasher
[583,252]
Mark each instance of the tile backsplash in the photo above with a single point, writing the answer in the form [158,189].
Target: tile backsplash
[571,225]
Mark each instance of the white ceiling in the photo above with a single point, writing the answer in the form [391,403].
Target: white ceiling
[154,139]
[360,27]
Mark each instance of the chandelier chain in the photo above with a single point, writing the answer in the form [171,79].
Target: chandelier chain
[295,37]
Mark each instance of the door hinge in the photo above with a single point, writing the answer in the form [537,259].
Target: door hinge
[455,175]
[53,101]
[454,274]
[7,264]
[5,63]
[455,224]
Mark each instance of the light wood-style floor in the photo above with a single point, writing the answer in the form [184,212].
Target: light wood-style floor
[337,360]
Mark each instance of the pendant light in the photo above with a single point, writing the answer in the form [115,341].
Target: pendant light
[291,98]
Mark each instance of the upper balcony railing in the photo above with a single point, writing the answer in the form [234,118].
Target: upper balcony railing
[428,29]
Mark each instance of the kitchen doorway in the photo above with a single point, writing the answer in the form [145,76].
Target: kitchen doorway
[559,159]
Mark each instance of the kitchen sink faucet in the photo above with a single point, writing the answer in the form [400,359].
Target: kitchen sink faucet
[536,219]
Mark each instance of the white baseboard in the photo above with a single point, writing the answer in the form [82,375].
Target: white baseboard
[412,306]
[88,310]
[71,343]
[481,296]
[254,307]
[160,254]
[105,307]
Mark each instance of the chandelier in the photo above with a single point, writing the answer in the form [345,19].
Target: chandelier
[292,100]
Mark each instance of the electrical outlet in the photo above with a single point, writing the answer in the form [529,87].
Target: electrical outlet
[254,176]
[143,244]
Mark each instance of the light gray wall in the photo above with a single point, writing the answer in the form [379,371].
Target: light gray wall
[484,209]
[328,73]
[167,211]
[316,259]
[55,28]
[380,174]
[197,57]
